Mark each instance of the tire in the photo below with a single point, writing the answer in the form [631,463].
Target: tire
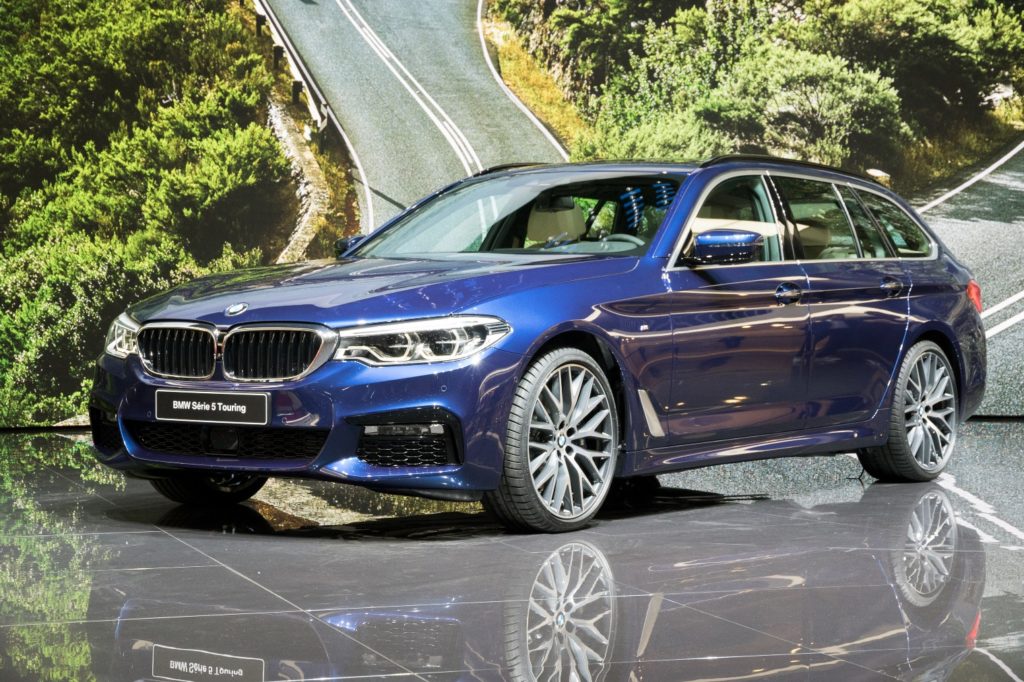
[210,490]
[568,607]
[545,430]
[923,419]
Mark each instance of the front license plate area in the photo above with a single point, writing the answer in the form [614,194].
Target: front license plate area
[204,407]
[193,665]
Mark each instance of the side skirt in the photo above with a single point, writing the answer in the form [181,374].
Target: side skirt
[793,444]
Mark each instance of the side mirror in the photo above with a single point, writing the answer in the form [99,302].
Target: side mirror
[346,244]
[720,247]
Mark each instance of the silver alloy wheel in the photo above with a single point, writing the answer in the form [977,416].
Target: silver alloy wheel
[930,411]
[928,550]
[571,441]
[570,620]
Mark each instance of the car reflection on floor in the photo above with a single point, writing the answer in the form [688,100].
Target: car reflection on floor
[889,584]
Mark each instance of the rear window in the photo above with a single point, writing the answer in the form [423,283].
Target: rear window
[904,232]
[822,229]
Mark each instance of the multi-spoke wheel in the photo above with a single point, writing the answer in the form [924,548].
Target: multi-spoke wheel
[565,629]
[923,422]
[561,445]
[926,562]
[209,490]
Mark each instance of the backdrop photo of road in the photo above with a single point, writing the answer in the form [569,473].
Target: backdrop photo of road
[144,143]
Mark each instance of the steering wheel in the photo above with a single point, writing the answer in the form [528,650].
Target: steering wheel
[623,237]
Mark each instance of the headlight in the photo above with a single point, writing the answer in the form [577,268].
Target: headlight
[438,339]
[122,337]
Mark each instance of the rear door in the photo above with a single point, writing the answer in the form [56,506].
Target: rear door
[857,293]
[739,330]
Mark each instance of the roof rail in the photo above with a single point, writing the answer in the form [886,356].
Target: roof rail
[505,166]
[765,158]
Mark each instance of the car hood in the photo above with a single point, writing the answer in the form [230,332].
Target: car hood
[350,291]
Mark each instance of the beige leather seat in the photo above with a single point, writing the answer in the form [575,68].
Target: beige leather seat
[814,237]
[559,219]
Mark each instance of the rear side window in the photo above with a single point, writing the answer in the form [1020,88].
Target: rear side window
[740,204]
[822,229]
[906,235]
[871,242]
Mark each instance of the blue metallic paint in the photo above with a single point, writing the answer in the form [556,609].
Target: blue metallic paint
[725,363]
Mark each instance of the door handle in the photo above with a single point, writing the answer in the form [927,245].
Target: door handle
[787,293]
[891,286]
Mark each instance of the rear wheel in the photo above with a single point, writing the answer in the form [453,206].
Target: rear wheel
[923,420]
[561,445]
[209,490]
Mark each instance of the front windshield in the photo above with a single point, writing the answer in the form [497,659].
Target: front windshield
[535,213]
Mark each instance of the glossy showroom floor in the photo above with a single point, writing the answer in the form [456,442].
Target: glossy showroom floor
[780,570]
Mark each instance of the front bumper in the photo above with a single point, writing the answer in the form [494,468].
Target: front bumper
[334,401]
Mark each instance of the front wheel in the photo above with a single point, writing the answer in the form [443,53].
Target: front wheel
[209,490]
[923,420]
[561,445]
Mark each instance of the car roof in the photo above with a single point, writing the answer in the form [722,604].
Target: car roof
[724,162]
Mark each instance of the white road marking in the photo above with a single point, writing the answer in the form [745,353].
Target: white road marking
[948,482]
[455,137]
[980,176]
[511,95]
[984,509]
[983,537]
[1002,666]
[1005,324]
[1002,304]
[996,521]
[368,223]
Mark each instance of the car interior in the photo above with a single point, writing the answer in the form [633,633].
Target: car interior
[608,216]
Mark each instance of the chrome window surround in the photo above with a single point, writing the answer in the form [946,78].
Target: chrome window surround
[763,173]
[328,344]
[190,326]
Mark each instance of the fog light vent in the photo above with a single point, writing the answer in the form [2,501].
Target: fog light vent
[407,445]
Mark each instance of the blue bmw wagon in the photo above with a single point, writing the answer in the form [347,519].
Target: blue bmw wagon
[529,335]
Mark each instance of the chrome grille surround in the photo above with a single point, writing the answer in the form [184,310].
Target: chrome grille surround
[168,348]
[292,337]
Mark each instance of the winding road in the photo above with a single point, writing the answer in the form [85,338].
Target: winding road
[411,86]
[984,225]
[414,89]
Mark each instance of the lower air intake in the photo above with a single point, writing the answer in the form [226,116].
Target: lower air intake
[265,443]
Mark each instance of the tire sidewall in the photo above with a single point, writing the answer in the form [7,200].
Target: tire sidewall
[899,405]
[517,437]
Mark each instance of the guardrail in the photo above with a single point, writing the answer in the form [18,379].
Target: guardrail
[302,79]
[319,109]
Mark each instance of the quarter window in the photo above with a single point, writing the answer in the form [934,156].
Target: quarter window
[872,243]
[906,235]
[822,228]
[739,204]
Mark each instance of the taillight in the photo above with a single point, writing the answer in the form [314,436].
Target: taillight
[974,293]
[972,637]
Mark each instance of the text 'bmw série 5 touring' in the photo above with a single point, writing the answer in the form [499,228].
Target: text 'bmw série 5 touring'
[528,335]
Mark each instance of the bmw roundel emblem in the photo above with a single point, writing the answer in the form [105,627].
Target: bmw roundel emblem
[236,309]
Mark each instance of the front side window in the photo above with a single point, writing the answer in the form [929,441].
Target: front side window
[822,229]
[738,204]
[906,235]
[533,213]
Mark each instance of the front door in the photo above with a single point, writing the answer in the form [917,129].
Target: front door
[739,331]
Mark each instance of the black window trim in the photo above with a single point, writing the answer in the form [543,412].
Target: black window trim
[766,178]
[933,254]
[933,249]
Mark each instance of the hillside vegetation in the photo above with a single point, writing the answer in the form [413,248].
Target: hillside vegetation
[133,155]
[847,82]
